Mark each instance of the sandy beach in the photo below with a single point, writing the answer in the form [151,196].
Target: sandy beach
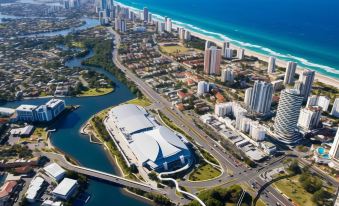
[279,62]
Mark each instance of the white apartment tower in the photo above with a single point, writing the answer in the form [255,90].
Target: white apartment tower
[259,99]
[287,116]
[212,60]
[290,72]
[309,117]
[227,75]
[335,108]
[321,101]
[305,82]
[271,65]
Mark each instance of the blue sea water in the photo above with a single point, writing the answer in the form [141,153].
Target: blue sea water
[304,31]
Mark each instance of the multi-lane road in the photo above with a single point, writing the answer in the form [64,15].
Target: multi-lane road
[240,173]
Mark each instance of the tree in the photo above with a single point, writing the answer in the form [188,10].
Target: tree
[321,196]
[310,182]
[294,167]
[153,176]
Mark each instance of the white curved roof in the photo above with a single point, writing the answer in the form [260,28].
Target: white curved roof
[131,118]
[158,146]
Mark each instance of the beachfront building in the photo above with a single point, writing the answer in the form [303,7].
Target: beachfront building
[168,24]
[290,72]
[240,53]
[145,15]
[321,101]
[120,25]
[44,113]
[309,117]
[271,65]
[228,53]
[304,85]
[259,98]
[227,75]
[335,108]
[287,116]
[212,61]
[161,27]
[153,146]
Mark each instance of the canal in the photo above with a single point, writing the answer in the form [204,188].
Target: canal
[68,139]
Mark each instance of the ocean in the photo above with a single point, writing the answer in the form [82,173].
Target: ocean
[303,31]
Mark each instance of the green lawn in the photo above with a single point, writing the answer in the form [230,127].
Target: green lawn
[96,92]
[292,188]
[204,172]
[173,49]
[141,102]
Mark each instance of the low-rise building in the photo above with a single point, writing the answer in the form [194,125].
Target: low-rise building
[65,189]
[55,171]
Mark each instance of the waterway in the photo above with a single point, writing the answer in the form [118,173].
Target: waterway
[68,139]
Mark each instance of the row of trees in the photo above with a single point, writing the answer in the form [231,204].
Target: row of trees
[221,196]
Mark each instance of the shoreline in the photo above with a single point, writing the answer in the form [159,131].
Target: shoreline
[263,57]
[279,62]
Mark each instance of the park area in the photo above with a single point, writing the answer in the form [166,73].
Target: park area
[292,188]
[204,172]
[173,49]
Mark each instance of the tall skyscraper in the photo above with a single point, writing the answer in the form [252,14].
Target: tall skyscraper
[120,25]
[287,116]
[248,96]
[335,108]
[240,53]
[228,53]
[309,117]
[271,65]
[321,101]
[259,99]
[227,75]
[290,72]
[334,151]
[145,14]
[161,27]
[225,45]
[305,82]
[208,44]
[212,60]
[168,24]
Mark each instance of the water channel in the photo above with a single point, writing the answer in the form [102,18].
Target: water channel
[68,139]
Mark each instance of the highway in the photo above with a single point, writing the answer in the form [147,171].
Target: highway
[240,173]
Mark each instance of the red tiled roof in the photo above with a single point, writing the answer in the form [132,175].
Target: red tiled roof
[7,188]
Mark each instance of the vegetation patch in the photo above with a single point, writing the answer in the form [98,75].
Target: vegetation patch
[143,101]
[203,172]
[220,196]
[175,49]
[96,92]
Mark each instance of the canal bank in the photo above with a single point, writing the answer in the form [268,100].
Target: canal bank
[68,139]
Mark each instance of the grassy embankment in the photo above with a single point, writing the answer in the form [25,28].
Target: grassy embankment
[96,92]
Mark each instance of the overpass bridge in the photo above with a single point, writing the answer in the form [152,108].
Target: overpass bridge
[99,175]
